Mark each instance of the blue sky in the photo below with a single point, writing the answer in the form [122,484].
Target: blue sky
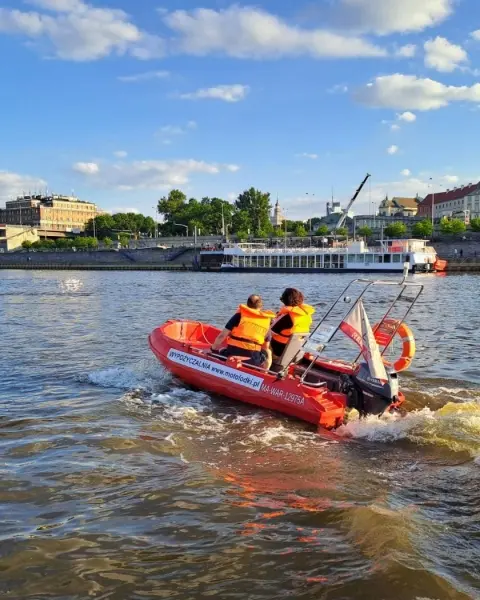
[121,100]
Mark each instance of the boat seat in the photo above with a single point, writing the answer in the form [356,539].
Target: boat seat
[293,352]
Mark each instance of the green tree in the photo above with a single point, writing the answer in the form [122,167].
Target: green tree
[322,230]
[299,230]
[365,231]
[241,222]
[445,225]
[343,231]
[257,205]
[108,242]
[395,230]
[458,226]
[103,226]
[475,224]
[242,235]
[27,244]
[64,243]
[423,228]
[170,206]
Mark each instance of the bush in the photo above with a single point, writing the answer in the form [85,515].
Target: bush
[343,231]
[27,245]
[107,242]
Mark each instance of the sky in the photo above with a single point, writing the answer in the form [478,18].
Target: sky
[123,100]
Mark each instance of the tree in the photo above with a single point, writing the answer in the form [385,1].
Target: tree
[452,226]
[64,243]
[242,235]
[365,231]
[103,226]
[475,224]
[395,230]
[343,231]
[257,205]
[422,228]
[171,205]
[299,230]
[124,238]
[27,244]
[108,242]
[322,230]
[241,222]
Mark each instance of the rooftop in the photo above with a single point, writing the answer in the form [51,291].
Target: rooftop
[449,195]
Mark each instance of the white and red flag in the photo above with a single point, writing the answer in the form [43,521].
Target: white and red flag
[357,327]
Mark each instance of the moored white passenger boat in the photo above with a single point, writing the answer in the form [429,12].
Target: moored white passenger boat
[355,257]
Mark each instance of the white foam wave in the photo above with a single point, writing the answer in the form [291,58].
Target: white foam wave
[455,425]
[143,375]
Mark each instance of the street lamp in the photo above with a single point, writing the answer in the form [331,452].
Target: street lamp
[181,225]
[156,220]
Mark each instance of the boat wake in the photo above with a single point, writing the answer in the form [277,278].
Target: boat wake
[154,392]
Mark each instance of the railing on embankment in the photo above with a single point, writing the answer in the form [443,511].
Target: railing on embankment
[93,267]
[463,265]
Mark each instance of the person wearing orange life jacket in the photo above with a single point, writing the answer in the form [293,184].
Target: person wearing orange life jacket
[247,334]
[294,317]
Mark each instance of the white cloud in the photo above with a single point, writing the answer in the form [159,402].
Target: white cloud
[450,178]
[308,155]
[410,92]
[476,35]
[407,51]
[227,93]
[233,168]
[87,168]
[443,56]
[169,130]
[147,174]
[148,76]
[245,32]
[388,16]
[406,173]
[14,184]
[78,31]
[392,149]
[407,116]
[120,154]
[395,127]
[338,89]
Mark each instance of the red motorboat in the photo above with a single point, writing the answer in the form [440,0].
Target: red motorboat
[302,383]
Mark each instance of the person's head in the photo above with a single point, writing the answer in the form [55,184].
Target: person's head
[292,297]
[255,301]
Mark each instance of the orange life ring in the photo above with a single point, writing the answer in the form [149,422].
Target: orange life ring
[384,331]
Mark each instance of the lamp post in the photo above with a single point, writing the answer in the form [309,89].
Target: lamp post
[433,206]
[182,225]
[156,220]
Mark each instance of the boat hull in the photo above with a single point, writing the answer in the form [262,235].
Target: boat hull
[182,347]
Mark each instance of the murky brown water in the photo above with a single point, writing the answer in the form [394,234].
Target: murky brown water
[119,483]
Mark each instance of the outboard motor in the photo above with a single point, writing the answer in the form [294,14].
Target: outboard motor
[369,395]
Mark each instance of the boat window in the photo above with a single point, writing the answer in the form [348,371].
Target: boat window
[296,262]
[281,261]
[241,261]
[304,262]
[360,258]
[351,258]
[386,258]
[288,262]
[378,258]
[326,261]
[334,261]
[267,261]
[274,262]
[396,257]
[261,261]
[341,261]
[253,261]
[311,262]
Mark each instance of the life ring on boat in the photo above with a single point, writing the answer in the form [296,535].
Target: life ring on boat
[384,332]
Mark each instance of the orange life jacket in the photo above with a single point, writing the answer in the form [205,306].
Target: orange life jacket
[250,333]
[301,318]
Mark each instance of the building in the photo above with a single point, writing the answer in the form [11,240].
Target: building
[379,222]
[462,200]
[13,236]
[405,207]
[55,215]
[277,218]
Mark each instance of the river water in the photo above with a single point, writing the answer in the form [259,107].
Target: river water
[117,482]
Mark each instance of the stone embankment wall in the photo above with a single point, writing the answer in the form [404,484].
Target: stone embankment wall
[128,259]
